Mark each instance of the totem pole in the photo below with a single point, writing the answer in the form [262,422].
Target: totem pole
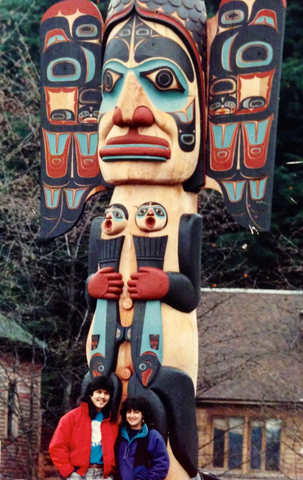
[176,114]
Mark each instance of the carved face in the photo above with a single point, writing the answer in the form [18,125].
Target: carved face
[151,217]
[115,219]
[150,114]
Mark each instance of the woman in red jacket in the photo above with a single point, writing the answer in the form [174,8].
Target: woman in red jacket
[83,443]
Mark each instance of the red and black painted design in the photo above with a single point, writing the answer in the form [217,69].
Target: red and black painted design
[71,33]
[243,85]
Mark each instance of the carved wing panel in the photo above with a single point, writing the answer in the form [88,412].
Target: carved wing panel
[71,33]
[244,64]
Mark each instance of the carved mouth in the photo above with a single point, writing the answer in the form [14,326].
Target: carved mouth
[222,111]
[89,120]
[150,222]
[108,224]
[134,146]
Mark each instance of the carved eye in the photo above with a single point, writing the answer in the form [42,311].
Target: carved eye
[215,105]
[117,214]
[110,78]
[84,114]
[163,79]
[229,104]
[142,212]
[159,212]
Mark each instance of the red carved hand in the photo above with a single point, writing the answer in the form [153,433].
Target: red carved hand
[148,284]
[106,284]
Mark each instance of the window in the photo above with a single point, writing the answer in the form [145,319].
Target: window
[260,450]
[228,437]
[12,420]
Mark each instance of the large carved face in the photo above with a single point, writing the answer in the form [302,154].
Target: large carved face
[149,130]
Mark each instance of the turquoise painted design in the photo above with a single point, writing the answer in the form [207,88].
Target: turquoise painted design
[190,112]
[52,197]
[91,65]
[87,34]
[187,138]
[257,188]
[148,145]
[227,21]
[235,194]
[88,144]
[67,78]
[164,100]
[182,116]
[133,157]
[74,198]
[252,128]
[99,327]
[257,103]
[226,53]
[142,211]
[257,62]
[218,134]
[51,137]
[55,38]
[152,326]
[265,19]
[117,213]
[190,115]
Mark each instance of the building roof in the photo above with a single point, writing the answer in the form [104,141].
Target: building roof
[250,346]
[11,330]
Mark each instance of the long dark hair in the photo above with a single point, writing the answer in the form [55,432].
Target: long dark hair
[140,404]
[98,383]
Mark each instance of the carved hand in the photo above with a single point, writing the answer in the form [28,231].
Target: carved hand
[106,284]
[148,284]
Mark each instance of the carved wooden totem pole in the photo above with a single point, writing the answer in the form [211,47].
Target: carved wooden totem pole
[176,114]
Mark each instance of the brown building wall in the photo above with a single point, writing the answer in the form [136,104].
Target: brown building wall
[20,430]
[291,460]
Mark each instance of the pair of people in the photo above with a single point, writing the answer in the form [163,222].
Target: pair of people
[86,443]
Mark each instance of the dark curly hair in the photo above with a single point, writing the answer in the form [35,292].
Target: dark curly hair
[140,404]
[98,383]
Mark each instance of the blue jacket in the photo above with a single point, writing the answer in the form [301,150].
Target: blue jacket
[144,457]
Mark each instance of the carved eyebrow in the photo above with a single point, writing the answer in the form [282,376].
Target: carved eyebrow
[116,49]
[164,48]
[158,47]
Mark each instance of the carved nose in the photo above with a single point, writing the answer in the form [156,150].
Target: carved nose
[142,117]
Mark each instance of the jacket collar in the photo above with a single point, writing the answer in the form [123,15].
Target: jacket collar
[141,433]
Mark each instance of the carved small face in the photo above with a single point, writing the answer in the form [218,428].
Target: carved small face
[149,116]
[116,218]
[224,105]
[151,217]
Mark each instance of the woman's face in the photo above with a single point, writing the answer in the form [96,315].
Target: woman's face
[100,398]
[135,419]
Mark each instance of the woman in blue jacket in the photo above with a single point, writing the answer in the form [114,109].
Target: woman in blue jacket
[140,452]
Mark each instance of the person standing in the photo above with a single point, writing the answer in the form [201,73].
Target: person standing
[83,443]
[140,451]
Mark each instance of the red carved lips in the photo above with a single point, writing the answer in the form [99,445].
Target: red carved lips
[150,221]
[134,146]
[108,224]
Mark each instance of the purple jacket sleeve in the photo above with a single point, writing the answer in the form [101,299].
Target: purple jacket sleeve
[159,459]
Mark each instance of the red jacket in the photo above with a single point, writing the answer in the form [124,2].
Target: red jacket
[71,443]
